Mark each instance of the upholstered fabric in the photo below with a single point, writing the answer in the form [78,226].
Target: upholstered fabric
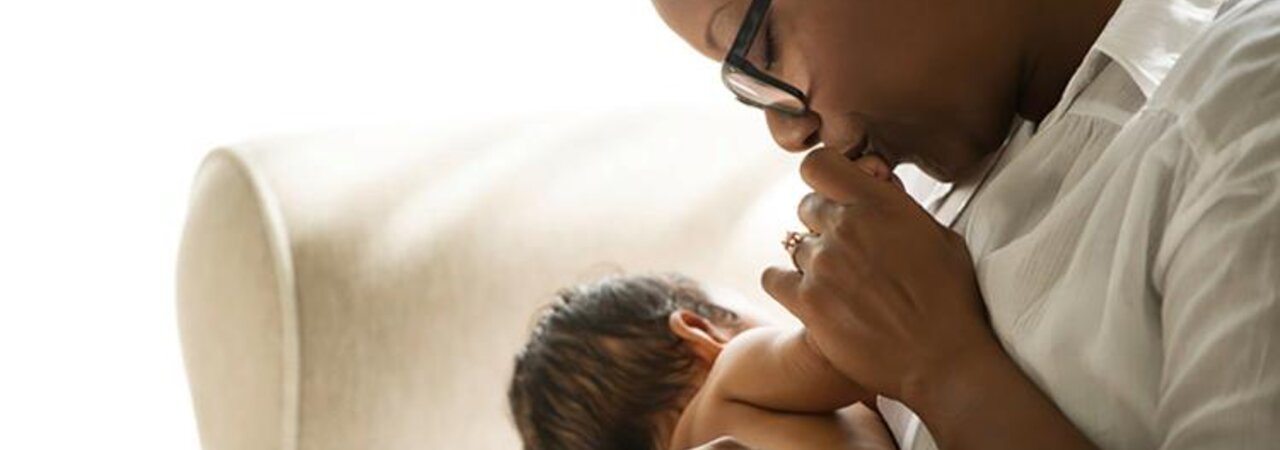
[368,290]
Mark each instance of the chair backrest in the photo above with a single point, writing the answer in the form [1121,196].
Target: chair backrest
[368,290]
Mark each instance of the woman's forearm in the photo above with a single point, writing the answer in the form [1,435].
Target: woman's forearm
[984,401]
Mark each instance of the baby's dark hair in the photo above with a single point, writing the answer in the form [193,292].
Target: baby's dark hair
[602,364]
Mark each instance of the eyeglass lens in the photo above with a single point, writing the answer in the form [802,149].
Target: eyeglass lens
[759,93]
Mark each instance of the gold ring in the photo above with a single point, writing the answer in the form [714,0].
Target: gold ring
[793,240]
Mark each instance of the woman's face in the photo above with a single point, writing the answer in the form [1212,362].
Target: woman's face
[929,82]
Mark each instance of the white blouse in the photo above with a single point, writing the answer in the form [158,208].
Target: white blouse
[1128,248]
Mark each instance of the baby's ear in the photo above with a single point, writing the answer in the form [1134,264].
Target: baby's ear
[698,333]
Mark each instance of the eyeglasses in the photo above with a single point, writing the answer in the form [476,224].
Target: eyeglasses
[751,85]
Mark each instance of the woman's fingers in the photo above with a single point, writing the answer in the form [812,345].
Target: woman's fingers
[802,253]
[818,213]
[836,177]
[784,286]
[875,165]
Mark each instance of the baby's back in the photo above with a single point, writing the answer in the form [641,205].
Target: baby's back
[761,429]
[750,363]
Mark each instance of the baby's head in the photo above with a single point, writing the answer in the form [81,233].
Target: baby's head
[613,363]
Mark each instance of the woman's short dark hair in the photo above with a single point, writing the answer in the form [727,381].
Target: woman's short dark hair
[603,363]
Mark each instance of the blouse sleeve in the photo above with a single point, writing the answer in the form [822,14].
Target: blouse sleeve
[1218,273]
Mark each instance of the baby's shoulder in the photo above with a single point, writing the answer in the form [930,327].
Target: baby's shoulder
[710,411]
[732,360]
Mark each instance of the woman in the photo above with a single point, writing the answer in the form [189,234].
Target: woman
[1105,269]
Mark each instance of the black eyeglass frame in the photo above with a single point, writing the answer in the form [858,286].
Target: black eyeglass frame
[736,61]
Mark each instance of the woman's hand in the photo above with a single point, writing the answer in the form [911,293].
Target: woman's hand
[888,294]
[889,297]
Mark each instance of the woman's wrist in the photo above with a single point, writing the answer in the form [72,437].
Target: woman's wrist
[946,394]
[982,399]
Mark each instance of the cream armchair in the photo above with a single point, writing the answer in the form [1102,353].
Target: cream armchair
[369,291]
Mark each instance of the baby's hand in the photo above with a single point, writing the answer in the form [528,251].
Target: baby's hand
[877,167]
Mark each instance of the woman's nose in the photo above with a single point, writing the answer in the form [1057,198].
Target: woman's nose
[793,133]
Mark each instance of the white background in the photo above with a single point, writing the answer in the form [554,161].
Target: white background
[106,108]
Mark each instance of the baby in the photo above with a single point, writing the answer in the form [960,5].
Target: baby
[653,362]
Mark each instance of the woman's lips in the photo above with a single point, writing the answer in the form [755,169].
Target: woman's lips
[858,149]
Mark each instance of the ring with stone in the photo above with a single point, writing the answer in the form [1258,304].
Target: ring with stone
[792,241]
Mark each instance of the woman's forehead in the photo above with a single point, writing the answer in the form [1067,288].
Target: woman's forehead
[707,25]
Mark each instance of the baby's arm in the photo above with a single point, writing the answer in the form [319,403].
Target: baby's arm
[777,369]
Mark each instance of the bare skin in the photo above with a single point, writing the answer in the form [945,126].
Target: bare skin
[909,331]
[769,388]
[936,83]
[887,294]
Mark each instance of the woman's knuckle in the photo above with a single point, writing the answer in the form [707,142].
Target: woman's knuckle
[845,227]
[807,292]
[811,168]
[824,261]
[811,200]
[809,206]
